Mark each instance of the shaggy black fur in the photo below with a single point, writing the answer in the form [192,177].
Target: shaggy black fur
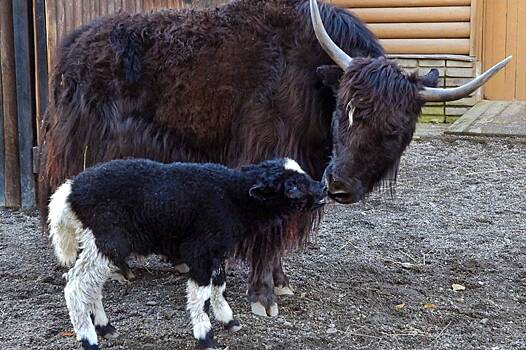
[197,211]
[235,85]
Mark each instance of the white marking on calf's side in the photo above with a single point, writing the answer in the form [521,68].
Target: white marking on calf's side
[63,226]
[220,307]
[291,164]
[196,297]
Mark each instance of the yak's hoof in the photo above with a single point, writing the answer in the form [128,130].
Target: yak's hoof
[259,310]
[123,278]
[182,268]
[283,290]
[233,326]
[87,346]
[107,331]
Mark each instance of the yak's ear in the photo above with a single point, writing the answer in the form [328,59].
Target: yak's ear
[431,78]
[330,76]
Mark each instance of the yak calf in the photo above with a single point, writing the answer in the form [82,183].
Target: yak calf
[196,212]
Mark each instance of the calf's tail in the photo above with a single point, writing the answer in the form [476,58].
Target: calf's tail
[63,226]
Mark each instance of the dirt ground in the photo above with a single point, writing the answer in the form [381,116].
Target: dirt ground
[379,275]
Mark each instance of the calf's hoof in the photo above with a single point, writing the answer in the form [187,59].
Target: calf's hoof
[182,268]
[208,343]
[233,326]
[283,290]
[259,310]
[107,331]
[87,346]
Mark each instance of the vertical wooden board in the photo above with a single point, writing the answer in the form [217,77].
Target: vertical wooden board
[41,67]
[51,32]
[69,17]
[78,9]
[520,87]
[2,149]
[24,96]
[7,60]
[511,48]
[496,12]
[111,6]
[60,21]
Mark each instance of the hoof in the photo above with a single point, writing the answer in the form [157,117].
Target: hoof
[284,290]
[208,343]
[259,310]
[123,279]
[107,331]
[182,268]
[87,346]
[233,326]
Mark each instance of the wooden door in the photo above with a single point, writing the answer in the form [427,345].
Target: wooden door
[504,34]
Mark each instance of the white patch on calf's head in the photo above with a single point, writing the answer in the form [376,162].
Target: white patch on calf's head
[291,164]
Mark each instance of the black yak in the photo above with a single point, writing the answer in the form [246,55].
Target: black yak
[199,212]
[236,84]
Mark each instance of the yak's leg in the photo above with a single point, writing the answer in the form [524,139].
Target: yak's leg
[261,289]
[197,304]
[103,327]
[222,311]
[85,281]
[281,281]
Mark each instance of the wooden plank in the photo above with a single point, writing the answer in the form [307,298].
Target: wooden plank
[426,46]
[511,47]
[520,87]
[495,38]
[24,95]
[399,3]
[421,30]
[60,21]
[2,149]
[476,21]
[41,68]
[414,14]
[7,59]
[51,32]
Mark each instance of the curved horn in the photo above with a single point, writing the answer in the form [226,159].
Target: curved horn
[451,94]
[338,55]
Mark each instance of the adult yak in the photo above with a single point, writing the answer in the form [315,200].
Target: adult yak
[236,84]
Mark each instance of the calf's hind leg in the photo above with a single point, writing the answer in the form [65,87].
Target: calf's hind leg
[85,282]
[197,303]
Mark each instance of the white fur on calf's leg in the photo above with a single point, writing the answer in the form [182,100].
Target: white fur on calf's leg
[222,311]
[196,298]
[83,290]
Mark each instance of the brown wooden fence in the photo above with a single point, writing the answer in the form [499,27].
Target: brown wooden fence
[29,33]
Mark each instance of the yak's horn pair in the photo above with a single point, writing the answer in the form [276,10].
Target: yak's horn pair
[426,94]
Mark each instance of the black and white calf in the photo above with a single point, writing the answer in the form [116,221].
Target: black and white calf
[196,212]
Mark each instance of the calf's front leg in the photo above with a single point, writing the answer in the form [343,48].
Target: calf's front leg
[222,311]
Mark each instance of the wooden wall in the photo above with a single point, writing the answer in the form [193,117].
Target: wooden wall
[503,31]
[416,26]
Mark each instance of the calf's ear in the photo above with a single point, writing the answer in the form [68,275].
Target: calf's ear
[260,191]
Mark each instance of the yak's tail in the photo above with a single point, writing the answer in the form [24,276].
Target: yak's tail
[63,226]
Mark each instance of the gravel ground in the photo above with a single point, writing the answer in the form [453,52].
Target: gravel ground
[379,275]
